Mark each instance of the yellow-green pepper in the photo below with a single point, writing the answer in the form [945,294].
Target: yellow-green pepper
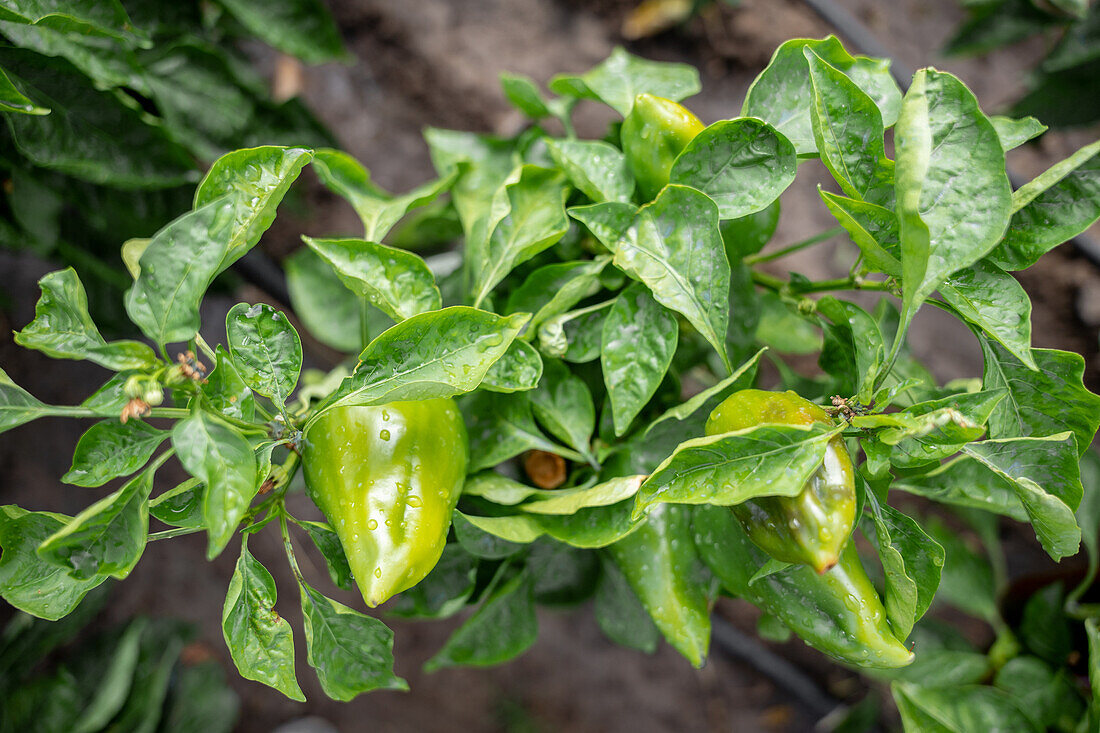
[654,132]
[812,527]
[387,479]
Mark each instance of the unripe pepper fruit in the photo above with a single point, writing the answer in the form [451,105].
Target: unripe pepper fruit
[812,527]
[387,479]
[654,132]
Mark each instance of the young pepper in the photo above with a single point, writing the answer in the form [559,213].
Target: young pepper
[812,527]
[654,132]
[388,478]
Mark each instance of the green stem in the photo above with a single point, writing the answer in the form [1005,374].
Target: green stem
[289,548]
[205,348]
[176,532]
[815,239]
[364,325]
[77,411]
[783,287]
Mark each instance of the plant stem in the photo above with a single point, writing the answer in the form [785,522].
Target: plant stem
[811,241]
[176,532]
[783,287]
[205,348]
[364,326]
[77,411]
[289,548]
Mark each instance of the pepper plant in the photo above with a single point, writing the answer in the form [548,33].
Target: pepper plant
[608,297]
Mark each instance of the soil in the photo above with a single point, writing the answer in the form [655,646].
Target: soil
[436,62]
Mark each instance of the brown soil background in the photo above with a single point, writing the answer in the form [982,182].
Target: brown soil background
[434,62]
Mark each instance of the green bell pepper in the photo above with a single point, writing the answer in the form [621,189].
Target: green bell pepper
[654,132]
[387,478]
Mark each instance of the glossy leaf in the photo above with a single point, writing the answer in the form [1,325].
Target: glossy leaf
[1014,133]
[662,569]
[500,489]
[27,581]
[524,95]
[912,562]
[259,639]
[501,629]
[436,354]
[958,709]
[63,329]
[518,370]
[553,289]
[873,229]
[1040,403]
[742,165]
[710,395]
[108,537]
[446,589]
[575,336]
[352,653]
[265,348]
[328,310]
[991,299]
[967,483]
[501,427]
[176,269]
[597,169]
[673,246]
[1046,476]
[13,100]
[17,406]
[328,542]
[939,428]
[853,350]
[848,133]
[301,28]
[526,215]
[948,157]
[563,405]
[588,528]
[379,210]
[110,449]
[620,613]
[226,389]
[639,339]
[783,93]
[729,468]
[570,501]
[180,506]
[1057,205]
[221,458]
[622,76]
[253,181]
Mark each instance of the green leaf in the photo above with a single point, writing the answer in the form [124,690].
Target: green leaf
[161,645]
[948,157]
[912,562]
[500,489]
[781,327]
[991,299]
[853,351]
[436,354]
[265,348]
[742,165]
[712,394]
[226,389]
[302,28]
[563,405]
[663,570]
[518,370]
[524,95]
[596,168]
[176,269]
[1040,403]
[1047,478]
[107,538]
[488,545]
[28,582]
[89,134]
[1045,697]
[13,100]
[848,133]
[114,681]
[588,528]
[562,576]
[552,290]
[17,406]
[91,17]
[872,228]
[501,427]
[201,701]
[526,215]
[639,339]
[747,235]
[180,506]
[254,182]
[221,458]
[783,93]
[486,163]
[328,310]
[1057,205]
[501,629]
[352,653]
[570,501]
[1014,133]
[1044,629]
[110,449]
[958,709]
[379,210]
[328,543]
[939,428]
[622,76]
[259,639]
[620,613]
[673,246]
[967,483]
[729,468]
